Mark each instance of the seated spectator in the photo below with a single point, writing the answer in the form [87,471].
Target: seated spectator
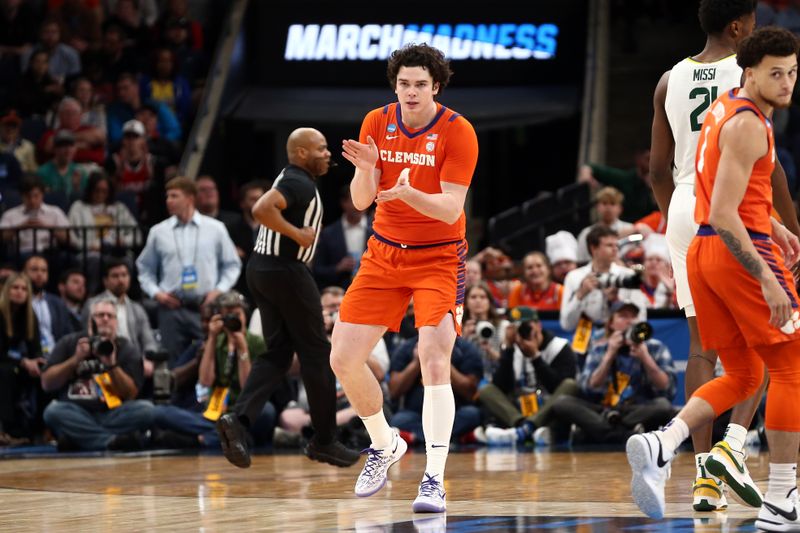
[93,112]
[11,142]
[483,325]
[18,23]
[132,166]
[180,35]
[224,367]
[609,207]
[98,209]
[208,201]
[125,14]
[64,61]
[657,284]
[633,183]
[179,10]
[590,289]
[36,215]
[90,142]
[106,65]
[498,273]
[474,272]
[72,289]
[132,320]
[96,407]
[166,86]
[62,174]
[51,312]
[128,103]
[167,153]
[10,174]
[37,92]
[536,367]
[562,252]
[341,244]
[20,361]
[405,387]
[537,290]
[628,384]
[80,21]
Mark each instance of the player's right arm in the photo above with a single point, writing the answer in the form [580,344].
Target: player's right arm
[742,142]
[662,148]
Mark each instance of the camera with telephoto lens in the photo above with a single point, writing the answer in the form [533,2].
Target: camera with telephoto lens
[98,347]
[608,280]
[638,333]
[163,383]
[485,329]
[231,322]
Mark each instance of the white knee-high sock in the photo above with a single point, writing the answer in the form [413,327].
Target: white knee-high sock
[438,414]
[782,479]
[379,430]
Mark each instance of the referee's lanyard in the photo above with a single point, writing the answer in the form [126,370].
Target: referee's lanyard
[188,272]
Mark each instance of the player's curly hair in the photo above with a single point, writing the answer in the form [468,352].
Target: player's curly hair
[420,55]
[715,15]
[768,41]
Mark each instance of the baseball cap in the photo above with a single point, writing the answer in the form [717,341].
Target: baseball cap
[619,305]
[63,138]
[523,313]
[133,126]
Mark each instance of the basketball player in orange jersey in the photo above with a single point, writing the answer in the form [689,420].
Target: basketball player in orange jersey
[747,307]
[416,159]
[681,101]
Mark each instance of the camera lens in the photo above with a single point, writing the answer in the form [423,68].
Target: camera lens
[231,322]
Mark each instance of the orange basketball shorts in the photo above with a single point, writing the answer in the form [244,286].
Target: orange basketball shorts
[391,274]
[731,310]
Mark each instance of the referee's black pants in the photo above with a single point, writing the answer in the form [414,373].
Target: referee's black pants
[291,321]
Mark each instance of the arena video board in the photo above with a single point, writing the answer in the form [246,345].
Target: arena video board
[491,43]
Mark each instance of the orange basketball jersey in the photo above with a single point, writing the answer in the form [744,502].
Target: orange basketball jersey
[756,205]
[444,150]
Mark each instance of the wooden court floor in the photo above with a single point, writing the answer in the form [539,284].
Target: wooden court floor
[488,490]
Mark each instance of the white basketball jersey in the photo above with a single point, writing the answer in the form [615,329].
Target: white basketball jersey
[691,88]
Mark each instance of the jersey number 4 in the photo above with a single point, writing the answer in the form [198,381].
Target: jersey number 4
[707,95]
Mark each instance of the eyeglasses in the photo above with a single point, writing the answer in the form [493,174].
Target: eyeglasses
[104,315]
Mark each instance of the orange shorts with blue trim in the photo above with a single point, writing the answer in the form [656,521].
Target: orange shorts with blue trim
[391,274]
[731,310]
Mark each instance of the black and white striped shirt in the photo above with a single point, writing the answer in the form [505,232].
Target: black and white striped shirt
[303,208]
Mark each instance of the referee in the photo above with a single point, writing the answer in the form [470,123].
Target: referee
[290,214]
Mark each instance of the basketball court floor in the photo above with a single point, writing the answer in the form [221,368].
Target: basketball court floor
[489,489]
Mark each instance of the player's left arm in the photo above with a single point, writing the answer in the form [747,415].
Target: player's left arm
[782,199]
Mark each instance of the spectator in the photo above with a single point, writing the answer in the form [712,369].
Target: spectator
[497,270]
[224,366]
[633,183]
[562,252]
[64,60]
[167,153]
[245,230]
[52,314]
[537,290]
[80,23]
[405,387]
[132,166]
[148,10]
[20,360]
[657,284]
[342,244]
[483,326]
[166,86]
[93,112]
[10,174]
[104,67]
[474,273]
[590,289]
[90,142]
[132,320]
[789,17]
[126,15]
[628,385]
[609,206]
[178,10]
[128,103]
[208,201]
[37,91]
[62,174]
[36,215]
[17,34]
[180,271]
[178,37]
[72,288]
[81,417]
[534,370]
[11,142]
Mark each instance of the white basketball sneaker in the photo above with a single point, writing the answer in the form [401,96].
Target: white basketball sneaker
[431,497]
[650,465]
[373,477]
[783,516]
[730,467]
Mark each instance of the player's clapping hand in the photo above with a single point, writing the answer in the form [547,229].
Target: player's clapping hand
[787,242]
[397,192]
[363,156]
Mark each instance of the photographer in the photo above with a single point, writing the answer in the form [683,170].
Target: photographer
[97,375]
[224,366]
[535,366]
[628,382]
[483,325]
[590,289]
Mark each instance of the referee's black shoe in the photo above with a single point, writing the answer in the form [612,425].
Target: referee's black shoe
[233,437]
[334,453]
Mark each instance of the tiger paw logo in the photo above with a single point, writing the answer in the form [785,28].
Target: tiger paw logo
[459,314]
[792,325]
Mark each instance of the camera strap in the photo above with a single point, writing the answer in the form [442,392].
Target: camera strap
[107,388]
[528,404]
[217,403]
[583,334]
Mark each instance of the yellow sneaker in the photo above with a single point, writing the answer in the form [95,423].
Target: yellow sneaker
[729,466]
[708,495]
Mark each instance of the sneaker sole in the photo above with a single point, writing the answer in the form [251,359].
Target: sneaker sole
[643,494]
[704,506]
[234,455]
[425,507]
[746,494]
[329,459]
[769,525]
[386,477]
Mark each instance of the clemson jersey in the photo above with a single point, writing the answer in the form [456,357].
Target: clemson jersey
[444,150]
[756,205]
